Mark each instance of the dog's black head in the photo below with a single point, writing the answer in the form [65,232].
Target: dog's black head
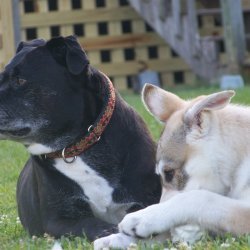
[41,92]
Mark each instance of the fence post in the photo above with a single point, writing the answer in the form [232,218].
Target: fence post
[234,35]
[16,22]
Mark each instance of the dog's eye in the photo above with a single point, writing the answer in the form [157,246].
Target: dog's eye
[21,81]
[169,175]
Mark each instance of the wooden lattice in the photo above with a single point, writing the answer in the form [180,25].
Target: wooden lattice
[113,34]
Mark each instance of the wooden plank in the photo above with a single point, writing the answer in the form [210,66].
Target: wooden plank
[67,30]
[164,52]
[211,31]
[234,34]
[77,16]
[167,79]
[138,26]
[208,22]
[193,26]
[64,5]
[176,10]
[115,41]
[1,65]
[7,27]
[141,53]
[245,3]
[117,55]
[130,68]
[124,41]
[88,5]
[190,78]
[23,35]
[120,83]
[115,28]
[209,12]
[90,31]
[43,32]
[16,22]
[42,8]
[112,4]
[1,41]
[94,57]
[82,3]
[188,47]
[1,56]
[216,11]
[21,7]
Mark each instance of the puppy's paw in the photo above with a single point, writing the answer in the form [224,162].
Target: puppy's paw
[187,233]
[119,240]
[144,223]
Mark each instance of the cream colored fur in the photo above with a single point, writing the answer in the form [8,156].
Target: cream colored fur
[203,158]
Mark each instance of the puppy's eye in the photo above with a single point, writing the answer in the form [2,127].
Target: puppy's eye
[21,81]
[169,175]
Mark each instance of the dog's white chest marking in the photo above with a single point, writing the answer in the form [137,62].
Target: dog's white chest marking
[201,176]
[96,188]
[38,149]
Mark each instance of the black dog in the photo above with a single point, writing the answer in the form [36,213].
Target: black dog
[92,158]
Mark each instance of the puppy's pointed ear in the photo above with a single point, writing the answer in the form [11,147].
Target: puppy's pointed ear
[207,103]
[69,53]
[160,103]
[33,43]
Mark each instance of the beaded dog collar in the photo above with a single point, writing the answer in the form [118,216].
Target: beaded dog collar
[94,131]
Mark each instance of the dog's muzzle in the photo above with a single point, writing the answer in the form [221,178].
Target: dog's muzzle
[20,132]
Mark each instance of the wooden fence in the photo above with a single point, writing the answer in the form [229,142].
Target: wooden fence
[113,34]
[7,45]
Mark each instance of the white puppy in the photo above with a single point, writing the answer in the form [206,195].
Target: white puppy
[203,158]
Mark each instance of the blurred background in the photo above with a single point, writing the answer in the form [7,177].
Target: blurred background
[171,42]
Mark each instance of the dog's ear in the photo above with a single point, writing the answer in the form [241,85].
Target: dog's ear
[32,43]
[76,58]
[69,53]
[207,103]
[160,103]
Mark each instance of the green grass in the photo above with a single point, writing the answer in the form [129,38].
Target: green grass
[13,157]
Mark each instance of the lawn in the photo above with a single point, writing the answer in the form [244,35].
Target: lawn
[13,157]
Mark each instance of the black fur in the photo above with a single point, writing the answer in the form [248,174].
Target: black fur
[61,97]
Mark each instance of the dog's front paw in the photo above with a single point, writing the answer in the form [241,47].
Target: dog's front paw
[119,240]
[144,223]
[188,233]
